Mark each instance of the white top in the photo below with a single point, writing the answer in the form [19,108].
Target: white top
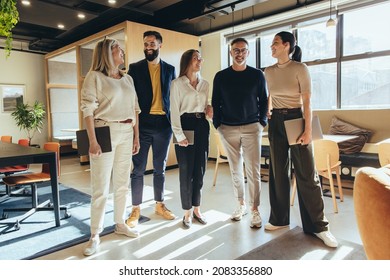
[286,83]
[109,99]
[186,99]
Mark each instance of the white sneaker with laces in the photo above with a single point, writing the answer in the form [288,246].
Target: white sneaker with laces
[271,227]
[92,246]
[238,213]
[126,230]
[256,219]
[328,238]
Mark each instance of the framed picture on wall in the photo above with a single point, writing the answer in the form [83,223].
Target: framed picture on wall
[11,96]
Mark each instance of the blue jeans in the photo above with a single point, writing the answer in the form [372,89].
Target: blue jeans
[154,131]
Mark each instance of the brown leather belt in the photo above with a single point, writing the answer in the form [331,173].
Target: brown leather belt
[125,121]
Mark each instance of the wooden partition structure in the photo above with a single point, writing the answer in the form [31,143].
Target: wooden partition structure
[65,70]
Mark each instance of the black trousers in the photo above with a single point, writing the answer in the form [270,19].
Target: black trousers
[310,199]
[192,161]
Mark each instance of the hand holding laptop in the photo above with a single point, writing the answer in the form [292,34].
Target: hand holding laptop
[295,128]
[189,134]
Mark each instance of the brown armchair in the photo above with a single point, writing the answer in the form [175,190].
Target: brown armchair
[371,195]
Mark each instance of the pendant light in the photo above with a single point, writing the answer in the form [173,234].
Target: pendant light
[331,22]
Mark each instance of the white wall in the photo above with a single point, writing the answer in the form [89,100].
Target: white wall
[211,52]
[27,69]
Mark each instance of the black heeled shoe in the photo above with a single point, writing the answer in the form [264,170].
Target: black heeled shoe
[201,220]
[187,224]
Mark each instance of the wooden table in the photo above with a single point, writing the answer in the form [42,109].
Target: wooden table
[338,137]
[14,154]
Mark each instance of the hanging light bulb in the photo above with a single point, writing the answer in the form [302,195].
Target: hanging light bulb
[232,7]
[331,22]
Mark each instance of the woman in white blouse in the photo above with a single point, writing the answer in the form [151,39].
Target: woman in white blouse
[108,98]
[189,108]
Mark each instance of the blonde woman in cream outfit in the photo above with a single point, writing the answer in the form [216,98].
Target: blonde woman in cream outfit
[109,99]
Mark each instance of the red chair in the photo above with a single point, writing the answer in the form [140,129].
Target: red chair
[8,170]
[6,138]
[24,142]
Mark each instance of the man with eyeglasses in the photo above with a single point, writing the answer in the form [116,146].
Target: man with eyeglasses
[152,80]
[240,115]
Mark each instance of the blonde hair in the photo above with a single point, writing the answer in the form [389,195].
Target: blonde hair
[102,59]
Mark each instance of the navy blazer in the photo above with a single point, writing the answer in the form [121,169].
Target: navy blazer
[139,71]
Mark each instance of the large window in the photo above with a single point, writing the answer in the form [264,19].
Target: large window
[316,40]
[365,83]
[349,65]
[367,30]
[324,87]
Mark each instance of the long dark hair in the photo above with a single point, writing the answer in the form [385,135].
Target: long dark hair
[295,50]
[185,61]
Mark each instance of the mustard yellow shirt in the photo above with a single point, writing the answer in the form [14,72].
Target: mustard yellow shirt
[157,102]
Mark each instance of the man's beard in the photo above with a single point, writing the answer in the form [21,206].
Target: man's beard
[151,56]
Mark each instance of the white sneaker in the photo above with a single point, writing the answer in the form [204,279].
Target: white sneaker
[328,238]
[238,213]
[126,230]
[270,227]
[92,246]
[256,219]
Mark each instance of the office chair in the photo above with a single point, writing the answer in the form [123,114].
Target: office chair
[384,153]
[326,159]
[33,179]
[8,170]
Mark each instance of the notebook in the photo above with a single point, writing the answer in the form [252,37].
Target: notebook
[189,135]
[102,135]
[295,127]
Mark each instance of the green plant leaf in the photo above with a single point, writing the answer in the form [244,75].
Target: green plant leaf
[29,118]
[9,17]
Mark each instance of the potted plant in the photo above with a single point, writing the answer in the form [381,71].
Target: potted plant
[9,17]
[29,118]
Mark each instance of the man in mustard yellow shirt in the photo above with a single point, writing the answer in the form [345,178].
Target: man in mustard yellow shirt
[152,79]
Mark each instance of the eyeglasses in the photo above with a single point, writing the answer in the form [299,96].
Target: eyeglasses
[237,51]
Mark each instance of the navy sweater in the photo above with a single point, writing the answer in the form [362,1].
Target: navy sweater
[239,97]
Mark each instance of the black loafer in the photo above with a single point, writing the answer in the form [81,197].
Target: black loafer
[186,224]
[201,220]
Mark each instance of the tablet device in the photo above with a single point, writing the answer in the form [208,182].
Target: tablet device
[102,135]
[295,128]
[189,135]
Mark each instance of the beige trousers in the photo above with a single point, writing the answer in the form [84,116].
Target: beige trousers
[111,168]
[243,144]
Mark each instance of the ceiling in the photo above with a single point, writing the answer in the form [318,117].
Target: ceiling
[38,26]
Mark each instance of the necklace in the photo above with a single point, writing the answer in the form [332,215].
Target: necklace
[284,62]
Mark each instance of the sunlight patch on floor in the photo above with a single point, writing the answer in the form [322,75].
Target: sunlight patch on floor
[342,252]
[192,245]
[318,254]
[179,233]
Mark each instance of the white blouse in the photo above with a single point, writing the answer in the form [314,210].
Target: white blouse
[186,99]
[109,99]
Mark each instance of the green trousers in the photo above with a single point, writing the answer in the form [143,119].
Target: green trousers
[309,190]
